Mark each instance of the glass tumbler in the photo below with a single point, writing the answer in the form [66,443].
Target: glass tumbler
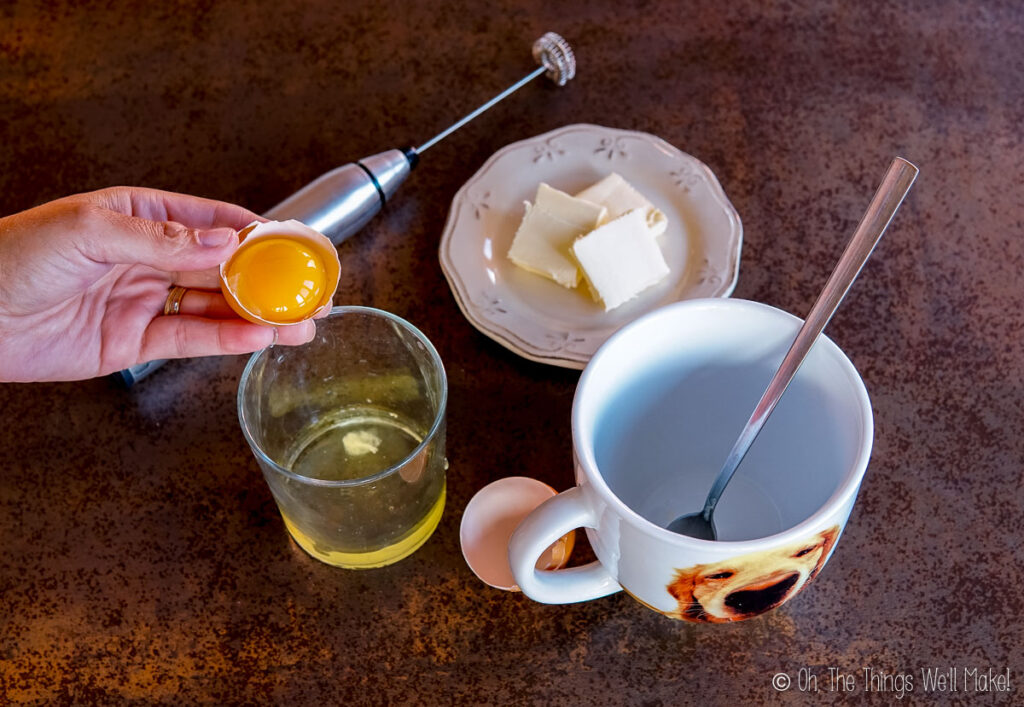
[349,431]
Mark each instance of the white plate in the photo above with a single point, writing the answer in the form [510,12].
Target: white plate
[541,320]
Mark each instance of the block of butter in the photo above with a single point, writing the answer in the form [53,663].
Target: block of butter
[619,197]
[551,224]
[620,259]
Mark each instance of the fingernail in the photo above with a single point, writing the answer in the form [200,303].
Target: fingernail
[216,237]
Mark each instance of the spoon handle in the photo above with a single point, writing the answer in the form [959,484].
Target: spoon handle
[894,187]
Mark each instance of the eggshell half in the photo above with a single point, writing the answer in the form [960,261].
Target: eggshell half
[297,231]
[489,520]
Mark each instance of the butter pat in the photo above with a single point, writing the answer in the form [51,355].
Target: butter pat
[549,227]
[620,259]
[581,213]
[619,197]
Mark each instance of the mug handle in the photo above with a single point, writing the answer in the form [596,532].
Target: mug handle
[544,526]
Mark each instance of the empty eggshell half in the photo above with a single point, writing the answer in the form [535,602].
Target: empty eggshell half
[489,520]
[286,291]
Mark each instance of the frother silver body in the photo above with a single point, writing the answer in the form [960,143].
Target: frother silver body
[342,201]
[337,204]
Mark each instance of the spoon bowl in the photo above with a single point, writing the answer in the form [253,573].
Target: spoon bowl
[695,525]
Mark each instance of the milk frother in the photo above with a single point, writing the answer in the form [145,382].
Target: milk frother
[342,201]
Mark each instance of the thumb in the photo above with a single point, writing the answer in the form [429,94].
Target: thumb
[115,238]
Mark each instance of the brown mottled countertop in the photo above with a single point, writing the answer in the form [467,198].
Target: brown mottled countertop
[143,559]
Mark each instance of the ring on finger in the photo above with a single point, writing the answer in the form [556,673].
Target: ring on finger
[172,305]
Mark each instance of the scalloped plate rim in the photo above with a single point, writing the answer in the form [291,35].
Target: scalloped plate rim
[510,339]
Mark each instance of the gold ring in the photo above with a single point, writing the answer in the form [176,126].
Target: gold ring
[173,303]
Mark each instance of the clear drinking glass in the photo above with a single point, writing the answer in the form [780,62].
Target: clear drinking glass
[349,431]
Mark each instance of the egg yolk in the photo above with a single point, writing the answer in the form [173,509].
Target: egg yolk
[277,279]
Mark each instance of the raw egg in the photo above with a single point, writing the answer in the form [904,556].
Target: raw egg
[282,273]
[489,520]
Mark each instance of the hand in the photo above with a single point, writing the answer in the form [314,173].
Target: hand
[83,281]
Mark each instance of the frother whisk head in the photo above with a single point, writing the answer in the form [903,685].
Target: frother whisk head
[554,53]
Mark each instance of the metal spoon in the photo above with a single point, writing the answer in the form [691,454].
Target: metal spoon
[887,199]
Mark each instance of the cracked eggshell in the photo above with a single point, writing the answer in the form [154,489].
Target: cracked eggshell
[490,518]
[292,230]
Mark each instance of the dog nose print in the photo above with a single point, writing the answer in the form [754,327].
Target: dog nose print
[753,601]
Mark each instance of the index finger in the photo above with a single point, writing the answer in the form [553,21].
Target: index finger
[190,211]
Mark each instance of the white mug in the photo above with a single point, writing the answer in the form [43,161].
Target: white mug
[655,414]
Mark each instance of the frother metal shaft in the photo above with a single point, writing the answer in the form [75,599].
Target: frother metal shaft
[497,99]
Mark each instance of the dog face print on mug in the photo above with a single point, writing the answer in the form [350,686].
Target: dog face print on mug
[743,587]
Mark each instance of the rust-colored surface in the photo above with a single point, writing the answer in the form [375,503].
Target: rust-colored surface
[143,559]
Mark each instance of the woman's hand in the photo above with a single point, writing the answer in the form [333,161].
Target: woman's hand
[83,281]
